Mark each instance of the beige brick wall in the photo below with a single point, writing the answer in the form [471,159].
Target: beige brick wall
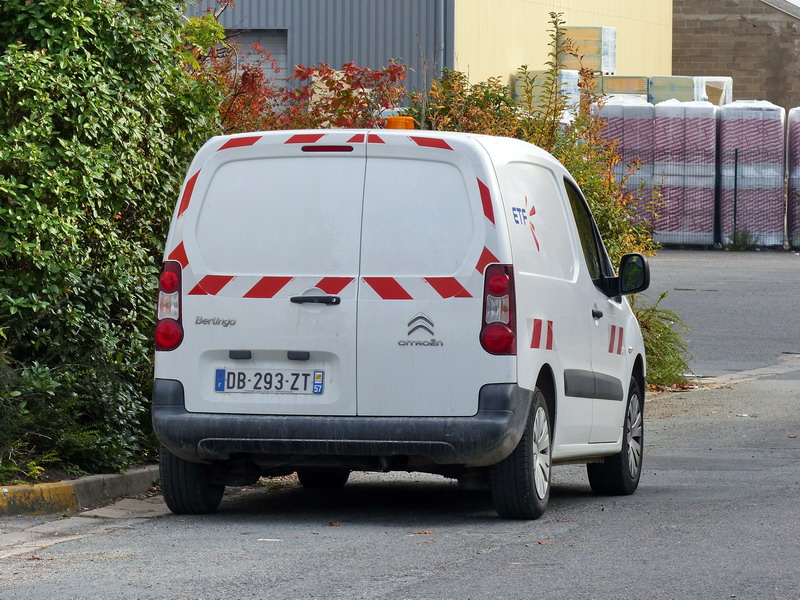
[756,44]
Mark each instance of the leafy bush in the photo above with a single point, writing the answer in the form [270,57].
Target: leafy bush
[667,352]
[454,104]
[98,120]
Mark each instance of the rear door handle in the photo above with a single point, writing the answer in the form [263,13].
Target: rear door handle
[316,299]
[597,314]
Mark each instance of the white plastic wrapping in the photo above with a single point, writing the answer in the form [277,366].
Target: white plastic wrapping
[752,142]
[684,169]
[717,90]
[629,121]
[793,159]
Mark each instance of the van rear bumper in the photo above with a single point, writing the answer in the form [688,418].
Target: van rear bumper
[480,440]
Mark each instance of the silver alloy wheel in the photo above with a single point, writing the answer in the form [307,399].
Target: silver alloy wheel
[635,430]
[541,454]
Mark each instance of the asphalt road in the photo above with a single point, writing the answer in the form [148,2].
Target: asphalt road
[715,517]
[743,308]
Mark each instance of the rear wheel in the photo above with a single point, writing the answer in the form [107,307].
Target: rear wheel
[619,475]
[188,488]
[520,484]
[323,479]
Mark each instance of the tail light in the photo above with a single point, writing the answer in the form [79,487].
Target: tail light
[169,330]
[499,311]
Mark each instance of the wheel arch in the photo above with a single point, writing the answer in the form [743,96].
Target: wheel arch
[546,382]
[638,375]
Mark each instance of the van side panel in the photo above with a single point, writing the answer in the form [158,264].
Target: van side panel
[551,319]
[612,361]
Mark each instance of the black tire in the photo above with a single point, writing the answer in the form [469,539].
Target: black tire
[619,475]
[187,487]
[323,479]
[520,484]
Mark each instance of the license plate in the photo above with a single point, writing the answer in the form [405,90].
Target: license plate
[267,381]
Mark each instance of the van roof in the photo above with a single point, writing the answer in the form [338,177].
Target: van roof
[501,149]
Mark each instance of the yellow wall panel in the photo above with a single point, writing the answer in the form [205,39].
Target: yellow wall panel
[495,37]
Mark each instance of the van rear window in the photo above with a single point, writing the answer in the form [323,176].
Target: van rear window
[418,218]
[283,216]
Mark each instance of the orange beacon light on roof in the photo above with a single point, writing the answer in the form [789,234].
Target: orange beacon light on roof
[399,122]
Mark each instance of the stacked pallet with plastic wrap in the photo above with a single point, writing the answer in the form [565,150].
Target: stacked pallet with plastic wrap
[533,85]
[672,87]
[793,198]
[684,169]
[595,49]
[629,121]
[751,143]
[717,90]
[629,85]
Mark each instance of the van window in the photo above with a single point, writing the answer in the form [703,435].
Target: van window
[418,218]
[596,258]
[538,220]
[283,216]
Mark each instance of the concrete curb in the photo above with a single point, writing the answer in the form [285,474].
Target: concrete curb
[786,364]
[44,498]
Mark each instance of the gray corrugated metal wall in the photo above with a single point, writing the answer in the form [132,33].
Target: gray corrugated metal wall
[366,32]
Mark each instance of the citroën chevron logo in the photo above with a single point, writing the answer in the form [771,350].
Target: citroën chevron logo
[420,321]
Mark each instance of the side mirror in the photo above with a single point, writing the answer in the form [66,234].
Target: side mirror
[634,274]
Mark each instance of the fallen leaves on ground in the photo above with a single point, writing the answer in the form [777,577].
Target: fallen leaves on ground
[681,387]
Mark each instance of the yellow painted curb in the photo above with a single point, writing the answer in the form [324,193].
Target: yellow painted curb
[38,498]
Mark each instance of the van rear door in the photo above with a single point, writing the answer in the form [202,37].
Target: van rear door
[428,233]
[270,238]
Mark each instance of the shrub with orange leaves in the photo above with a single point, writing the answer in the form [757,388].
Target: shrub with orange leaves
[309,97]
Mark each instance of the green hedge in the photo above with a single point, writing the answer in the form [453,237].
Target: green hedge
[98,121]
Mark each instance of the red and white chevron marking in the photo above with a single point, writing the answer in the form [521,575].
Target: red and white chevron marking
[386,288]
[616,339]
[281,287]
[542,335]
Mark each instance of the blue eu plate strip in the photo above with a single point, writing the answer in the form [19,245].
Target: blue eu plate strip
[219,382]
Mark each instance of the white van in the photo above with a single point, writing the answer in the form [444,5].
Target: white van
[385,300]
